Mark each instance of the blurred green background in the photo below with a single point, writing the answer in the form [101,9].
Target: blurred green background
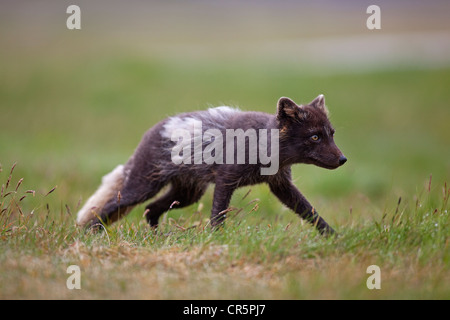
[75,103]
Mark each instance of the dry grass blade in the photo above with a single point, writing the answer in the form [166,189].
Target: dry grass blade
[287,226]
[10,175]
[12,168]
[7,182]
[19,183]
[255,208]
[429,183]
[248,192]
[394,217]
[221,213]
[68,210]
[54,188]
[175,203]
[8,193]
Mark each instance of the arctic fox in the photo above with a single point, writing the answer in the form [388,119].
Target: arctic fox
[224,146]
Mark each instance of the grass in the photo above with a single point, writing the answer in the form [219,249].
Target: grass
[67,122]
[266,257]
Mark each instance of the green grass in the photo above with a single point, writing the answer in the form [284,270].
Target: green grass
[255,256]
[68,122]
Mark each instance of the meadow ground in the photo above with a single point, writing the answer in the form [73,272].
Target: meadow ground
[73,106]
[389,203]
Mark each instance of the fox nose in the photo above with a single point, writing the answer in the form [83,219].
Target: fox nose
[342,160]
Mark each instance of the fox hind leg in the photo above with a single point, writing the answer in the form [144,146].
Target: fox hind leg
[121,204]
[180,195]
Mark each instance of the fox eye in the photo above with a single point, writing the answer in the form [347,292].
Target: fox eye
[315,138]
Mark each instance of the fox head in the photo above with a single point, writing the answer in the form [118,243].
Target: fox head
[306,134]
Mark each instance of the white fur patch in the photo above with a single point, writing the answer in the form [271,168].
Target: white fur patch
[111,185]
[177,123]
[222,112]
[211,116]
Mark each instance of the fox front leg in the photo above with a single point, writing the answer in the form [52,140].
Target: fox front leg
[222,196]
[281,185]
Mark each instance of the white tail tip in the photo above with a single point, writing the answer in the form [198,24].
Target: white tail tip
[111,184]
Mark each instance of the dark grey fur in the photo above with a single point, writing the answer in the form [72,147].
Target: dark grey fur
[151,168]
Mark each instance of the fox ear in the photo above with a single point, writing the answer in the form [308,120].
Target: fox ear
[319,102]
[288,109]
